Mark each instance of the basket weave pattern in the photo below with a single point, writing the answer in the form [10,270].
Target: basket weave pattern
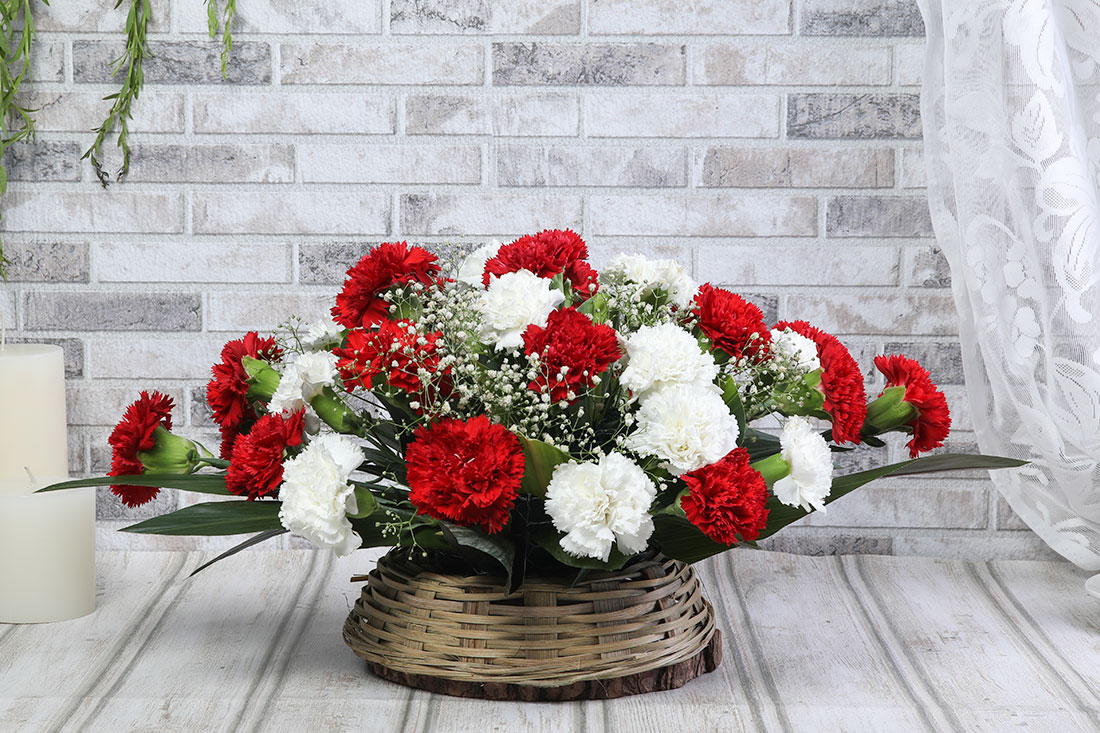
[649,615]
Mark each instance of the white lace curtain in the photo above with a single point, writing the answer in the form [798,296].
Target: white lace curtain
[1011,110]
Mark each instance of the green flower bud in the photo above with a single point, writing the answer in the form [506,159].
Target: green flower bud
[263,380]
[772,468]
[170,454]
[889,412]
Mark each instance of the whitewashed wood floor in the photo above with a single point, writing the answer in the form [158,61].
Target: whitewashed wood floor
[812,644]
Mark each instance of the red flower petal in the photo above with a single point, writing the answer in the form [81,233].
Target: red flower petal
[933,421]
[730,321]
[571,340]
[728,499]
[360,303]
[841,382]
[133,434]
[256,468]
[547,254]
[468,472]
[227,392]
[391,351]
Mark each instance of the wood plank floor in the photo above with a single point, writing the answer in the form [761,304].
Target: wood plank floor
[812,644]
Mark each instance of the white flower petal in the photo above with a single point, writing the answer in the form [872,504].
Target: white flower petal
[811,461]
[316,495]
[685,426]
[662,355]
[649,275]
[601,504]
[513,302]
[472,269]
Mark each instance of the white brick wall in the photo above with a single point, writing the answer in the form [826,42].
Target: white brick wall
[774,145]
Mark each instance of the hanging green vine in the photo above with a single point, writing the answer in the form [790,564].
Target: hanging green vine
[16,123]
[16,35]
[133,59]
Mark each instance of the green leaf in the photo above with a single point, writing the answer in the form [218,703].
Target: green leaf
[499,548]
[733,401]
[540,460]
[759,444]
[780,515]
[203,483]
[550,541]
[682,540]
[214,519]
[254,540]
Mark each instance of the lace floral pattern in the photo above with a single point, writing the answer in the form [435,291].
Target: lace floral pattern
[1011,111]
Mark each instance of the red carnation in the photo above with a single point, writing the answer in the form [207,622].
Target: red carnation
[547,254]
[570,340]
[841,382]
[730,322]
[933,420]
[256,468]
[133,434]
[360,303]
[468,472]
[392,351]
[227,392]
[727,499]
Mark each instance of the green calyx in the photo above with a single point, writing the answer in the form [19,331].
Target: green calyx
[772,468]
[889,412]
[171,454]
[263,380]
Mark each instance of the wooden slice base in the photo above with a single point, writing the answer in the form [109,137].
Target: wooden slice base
[665,678]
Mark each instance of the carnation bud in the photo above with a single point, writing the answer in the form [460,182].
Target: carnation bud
[889,412]
[263,380]
[170,454]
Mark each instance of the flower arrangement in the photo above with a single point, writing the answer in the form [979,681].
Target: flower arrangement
[520,410]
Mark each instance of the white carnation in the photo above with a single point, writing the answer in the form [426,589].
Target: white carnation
[648,275]
[323,334]
[685,426]
[513,302]
[811,462]
[303,380]
[601,504]
[796,348]
[472,269]
[662,355]
[316,494]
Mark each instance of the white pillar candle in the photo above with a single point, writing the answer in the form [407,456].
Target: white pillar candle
[47,552]
[32,411]
[47,541]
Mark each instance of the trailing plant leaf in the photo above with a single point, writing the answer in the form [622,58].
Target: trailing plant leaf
[254,540]
[16,122]
[227,22]
[214,519]
[132,59]
[203,483]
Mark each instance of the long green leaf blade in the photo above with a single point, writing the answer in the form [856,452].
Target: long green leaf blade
[214,519]
[254,540]
[203,483]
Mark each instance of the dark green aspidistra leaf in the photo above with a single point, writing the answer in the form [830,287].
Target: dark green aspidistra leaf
[214,519]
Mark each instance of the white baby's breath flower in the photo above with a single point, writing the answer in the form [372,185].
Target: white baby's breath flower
[323,334]
[601,504]
[303,380]
[513,302]
[811,462]
[796,348]
[649,275]
[316,494]
[685,426]
[472,268]
[662,355]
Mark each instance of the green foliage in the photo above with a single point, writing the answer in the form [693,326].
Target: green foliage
[16,124]
[203,483]
[550,541]
[133,60]
[540,459]
[215,519]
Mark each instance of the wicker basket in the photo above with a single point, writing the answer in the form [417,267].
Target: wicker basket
[643,628]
